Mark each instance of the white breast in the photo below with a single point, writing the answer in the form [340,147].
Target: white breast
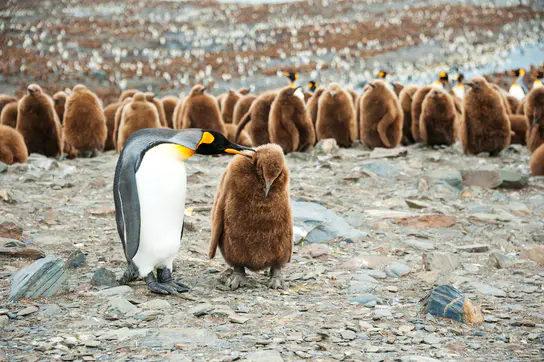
[517,91]
[459,91]
[162,185]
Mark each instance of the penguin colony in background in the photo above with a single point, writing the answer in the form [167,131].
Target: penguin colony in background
[150,179]
[82,126]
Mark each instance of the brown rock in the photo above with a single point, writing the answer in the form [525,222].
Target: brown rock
[534,254]
[10,229]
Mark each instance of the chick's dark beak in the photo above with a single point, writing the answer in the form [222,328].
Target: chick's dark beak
[372,85]
[267,189]
[469,84]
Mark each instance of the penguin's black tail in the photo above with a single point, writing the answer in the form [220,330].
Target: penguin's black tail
[131,274]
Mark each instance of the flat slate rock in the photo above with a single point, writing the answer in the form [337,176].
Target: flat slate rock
[43,278]
[316,224]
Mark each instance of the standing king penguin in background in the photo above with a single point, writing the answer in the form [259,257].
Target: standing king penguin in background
[518,89]
[538,81]
[459,88]
[149,190]
[293,76]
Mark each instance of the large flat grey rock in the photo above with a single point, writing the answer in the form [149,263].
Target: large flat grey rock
[316,224]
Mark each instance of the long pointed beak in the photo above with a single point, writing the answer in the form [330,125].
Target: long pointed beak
[267,190]
[236,152]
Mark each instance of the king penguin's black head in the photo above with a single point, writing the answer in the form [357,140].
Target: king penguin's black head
[214,143]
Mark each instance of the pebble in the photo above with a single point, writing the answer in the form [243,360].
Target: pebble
[431,339]
[121,305]
[4,321]
[155,304]
[238,319]
[75,260]
[348,335]
[381,313]
[28,310]
[200,310]
[120,291]
[476,248]
[488,289]
[365,299]
[397,270]
[264,356]
[105,277]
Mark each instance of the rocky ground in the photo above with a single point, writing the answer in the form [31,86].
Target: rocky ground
[349,299]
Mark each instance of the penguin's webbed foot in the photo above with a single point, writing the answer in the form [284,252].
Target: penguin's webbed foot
[276,280]
[238,279]
[164,276]
[155,286]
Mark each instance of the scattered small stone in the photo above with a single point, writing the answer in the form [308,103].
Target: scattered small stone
[11,248]
[491,319]
[431,339]
[417,359]
[348,335]
[45,277]
[513,180]
[105,277]
[10,229]
[416,204]
[476,248]
[419,245]
[397,270]
[381,313]
[534,254]
[28,310]
[75,260]
[502,261]
[238,319]
[481,178]
[91,344]
[121,305]
[264,356]
[364,325]
[446,176]
[365,299]
[4,321]
[379,152]
[488,290]
[200,310]
[440,261]
[392,288]
[120,291]
[326,147]
[156,304]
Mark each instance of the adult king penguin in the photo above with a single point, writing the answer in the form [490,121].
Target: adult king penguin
[149,191]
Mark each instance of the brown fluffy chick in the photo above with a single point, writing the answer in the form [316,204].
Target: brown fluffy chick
[381,116]
[257,118]
[160,108]
[336,116]
[84,122]
[290,125]
[8,116]
[12,146]
[485,126]
[537,161]
[405,97]
[242,107]
[169,103]
[251,218]
[39,124]
[227,105]
[200,110]
[243,138]
[60,99]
